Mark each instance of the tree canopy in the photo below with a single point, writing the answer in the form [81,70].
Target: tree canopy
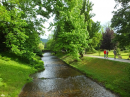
[75,30]
[71,33]
[107,41]
[20,27]
[121,22]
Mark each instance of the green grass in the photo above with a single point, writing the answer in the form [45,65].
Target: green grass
[111,55]
[111,74]
[13,75]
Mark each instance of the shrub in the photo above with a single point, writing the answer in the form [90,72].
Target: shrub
[118,51]
[126,51]
[39,65]
[38,52]
[41,46]
[5,58]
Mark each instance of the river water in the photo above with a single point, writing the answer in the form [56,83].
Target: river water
[60,80]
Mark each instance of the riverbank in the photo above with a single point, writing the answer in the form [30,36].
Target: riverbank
[14,74]
[112,75]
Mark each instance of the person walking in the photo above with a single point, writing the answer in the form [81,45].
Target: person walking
[107,53]
[114,54]
[104,53]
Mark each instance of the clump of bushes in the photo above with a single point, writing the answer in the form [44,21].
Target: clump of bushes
[38,51]
[126,51]
[4,58]
[37,64]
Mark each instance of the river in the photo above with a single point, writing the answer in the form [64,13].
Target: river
[60,80]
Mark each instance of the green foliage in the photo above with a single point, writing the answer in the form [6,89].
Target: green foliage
[5,58]
[92,27]
[99,52]
[118,51]
[50,44]
[121,22]
[38,64]
[38,52]
[20,27]
[126,51]
[71,33]
[39,49]
[41,46]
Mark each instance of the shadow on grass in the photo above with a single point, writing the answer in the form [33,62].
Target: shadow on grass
[15,57]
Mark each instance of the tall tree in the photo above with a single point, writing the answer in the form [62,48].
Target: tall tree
[121,22]
[71,33]
[108,36]
[92,27]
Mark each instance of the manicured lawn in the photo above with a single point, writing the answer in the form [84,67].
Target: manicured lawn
[13,76]
[111,55]
[111,74]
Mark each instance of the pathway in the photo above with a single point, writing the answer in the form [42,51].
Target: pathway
[119,60]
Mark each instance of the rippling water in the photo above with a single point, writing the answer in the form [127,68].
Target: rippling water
[60,80]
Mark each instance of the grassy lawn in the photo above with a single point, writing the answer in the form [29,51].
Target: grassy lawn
[13,76]
[111,74]
[111,55]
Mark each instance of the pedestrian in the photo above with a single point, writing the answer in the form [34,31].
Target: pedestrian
[107,53]
[104,53]
[114,54]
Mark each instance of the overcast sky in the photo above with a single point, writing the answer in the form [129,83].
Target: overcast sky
[102,10]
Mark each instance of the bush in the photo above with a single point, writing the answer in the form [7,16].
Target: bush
[39,65]
[38,52]
[92,51]
[126,51]
[5,58]
[118,51]
[41,46]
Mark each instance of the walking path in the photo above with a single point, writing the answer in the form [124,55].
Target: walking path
[120,60]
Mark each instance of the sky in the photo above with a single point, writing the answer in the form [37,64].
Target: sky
[102,10]
[46,24]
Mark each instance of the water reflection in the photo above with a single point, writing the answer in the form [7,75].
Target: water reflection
[60,80]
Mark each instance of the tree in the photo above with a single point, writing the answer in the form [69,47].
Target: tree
[71,33]
[92,27]
[108,36]
[121,22]
[20,29]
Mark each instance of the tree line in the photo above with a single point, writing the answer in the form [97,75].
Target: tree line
[75,31]
[20,28]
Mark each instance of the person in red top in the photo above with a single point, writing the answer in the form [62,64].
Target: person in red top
[105,53]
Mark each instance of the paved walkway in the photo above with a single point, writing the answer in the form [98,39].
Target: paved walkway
[120,60]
